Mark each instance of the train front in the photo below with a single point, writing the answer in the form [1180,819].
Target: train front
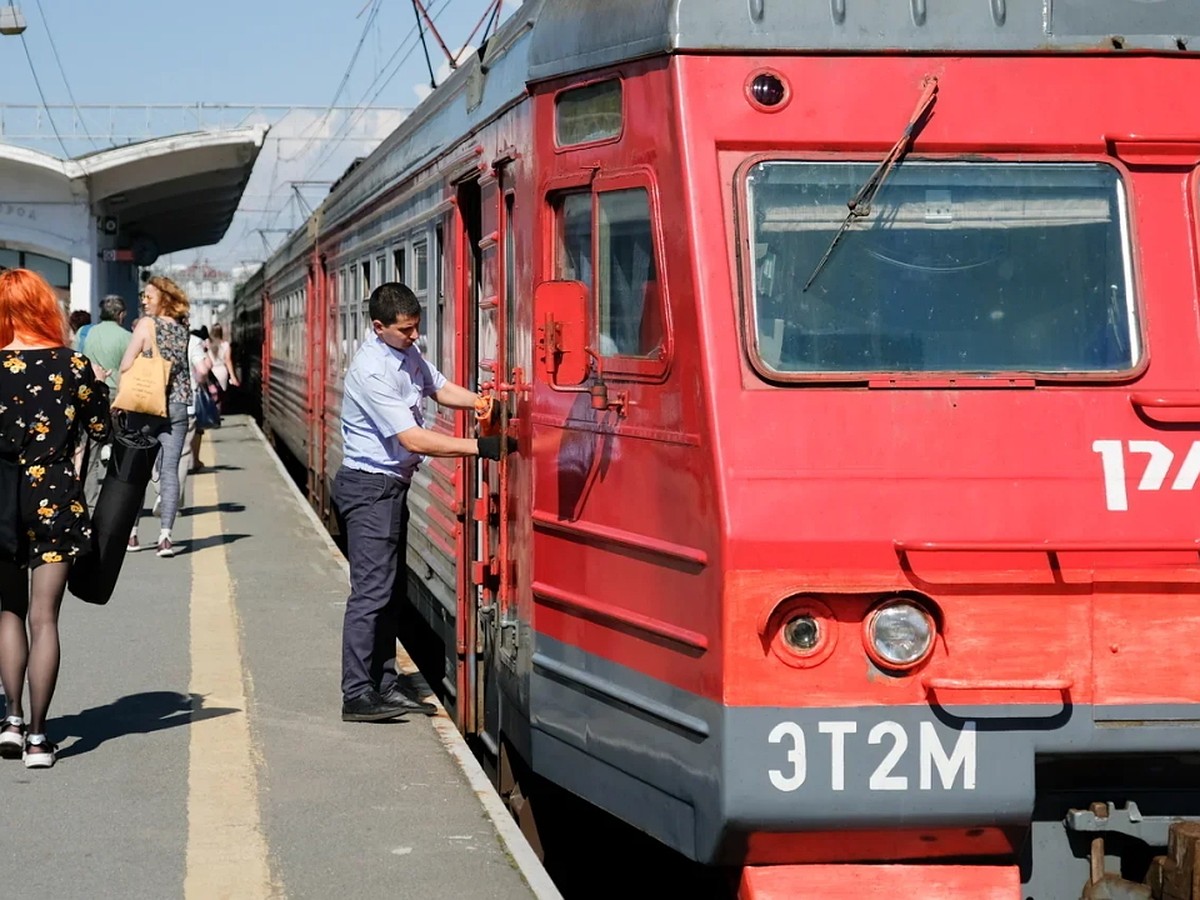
[954,361]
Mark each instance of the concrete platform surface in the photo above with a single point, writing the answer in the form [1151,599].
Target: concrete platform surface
[202,750]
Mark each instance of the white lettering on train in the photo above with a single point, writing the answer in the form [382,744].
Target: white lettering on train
[931,754]
[1159,460]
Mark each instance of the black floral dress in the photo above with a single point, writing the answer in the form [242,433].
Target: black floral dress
[49,398]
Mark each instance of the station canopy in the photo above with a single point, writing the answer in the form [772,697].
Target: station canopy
[172,193]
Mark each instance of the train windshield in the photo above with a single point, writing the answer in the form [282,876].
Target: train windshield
[966,267]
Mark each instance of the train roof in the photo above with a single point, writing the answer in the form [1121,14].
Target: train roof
[575,35]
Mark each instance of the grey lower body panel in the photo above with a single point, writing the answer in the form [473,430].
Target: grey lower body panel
[667,761]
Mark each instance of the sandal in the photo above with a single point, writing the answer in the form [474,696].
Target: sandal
[12,737]
[39,752]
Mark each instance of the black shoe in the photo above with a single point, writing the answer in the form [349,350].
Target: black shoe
[409,704]
[370,707]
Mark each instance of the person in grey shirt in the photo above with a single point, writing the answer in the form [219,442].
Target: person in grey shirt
[104,345]
[106,342]
[384,441]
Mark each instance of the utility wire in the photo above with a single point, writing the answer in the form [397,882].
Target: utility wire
[319,123]
[351,120]
[62,72]
[361,107]
[45,105]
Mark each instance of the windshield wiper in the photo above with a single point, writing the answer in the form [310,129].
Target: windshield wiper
[860,203]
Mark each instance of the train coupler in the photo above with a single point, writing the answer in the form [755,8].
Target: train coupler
[1176,876]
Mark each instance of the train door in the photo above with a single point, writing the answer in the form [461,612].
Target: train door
[487,616]
[315,355]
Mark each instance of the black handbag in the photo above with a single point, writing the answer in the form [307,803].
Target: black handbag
[12,529]
[94,576]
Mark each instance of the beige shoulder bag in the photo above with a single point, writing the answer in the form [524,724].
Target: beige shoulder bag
[143,389]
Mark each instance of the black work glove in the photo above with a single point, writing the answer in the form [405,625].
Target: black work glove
[489,446]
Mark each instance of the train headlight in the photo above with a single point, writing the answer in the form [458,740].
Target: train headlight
[899,635]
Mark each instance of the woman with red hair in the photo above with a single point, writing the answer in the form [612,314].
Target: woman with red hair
[49,396]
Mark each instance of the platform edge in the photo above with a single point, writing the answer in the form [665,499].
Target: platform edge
[515,843]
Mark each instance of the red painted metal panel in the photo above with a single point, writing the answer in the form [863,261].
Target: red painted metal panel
[899,882]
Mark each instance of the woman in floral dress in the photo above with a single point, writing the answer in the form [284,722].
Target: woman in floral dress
[49,397]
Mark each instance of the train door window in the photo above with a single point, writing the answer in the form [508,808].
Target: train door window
[607,241]
[343,321]
[331,320]
[401,274]
[510,279]
[574,258]
[628,321]
[420,267]
[438,308]
[420,287]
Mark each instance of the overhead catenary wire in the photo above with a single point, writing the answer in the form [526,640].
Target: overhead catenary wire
[362,107]
[37,83]
[392,67]
[319,123]
[62,72]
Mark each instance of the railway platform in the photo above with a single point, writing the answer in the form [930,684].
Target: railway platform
[202,752]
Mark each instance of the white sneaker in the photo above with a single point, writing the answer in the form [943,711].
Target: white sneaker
[165,548]
[39,752]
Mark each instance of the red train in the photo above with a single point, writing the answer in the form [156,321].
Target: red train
[854,546]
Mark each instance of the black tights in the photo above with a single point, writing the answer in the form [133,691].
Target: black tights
[36,655]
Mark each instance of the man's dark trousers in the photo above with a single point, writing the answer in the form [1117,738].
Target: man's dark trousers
[373,515]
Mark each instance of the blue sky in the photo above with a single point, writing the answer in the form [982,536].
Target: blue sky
[278,52]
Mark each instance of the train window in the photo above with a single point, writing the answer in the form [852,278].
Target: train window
[628,307]
[437,310]
[587,114]
[420,267]
[573,261]
[959,267]
[629,320]
[510,281]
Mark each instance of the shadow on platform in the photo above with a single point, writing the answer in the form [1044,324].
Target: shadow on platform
[216,540]
[220,508]
[142,713]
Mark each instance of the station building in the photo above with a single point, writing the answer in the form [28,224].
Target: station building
[88,224]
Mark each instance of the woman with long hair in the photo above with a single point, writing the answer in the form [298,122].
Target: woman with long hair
[166,321]
[49,396]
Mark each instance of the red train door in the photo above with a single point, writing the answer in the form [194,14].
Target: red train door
[486,620]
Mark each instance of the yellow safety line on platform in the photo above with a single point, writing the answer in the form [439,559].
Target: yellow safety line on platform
[226,852]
